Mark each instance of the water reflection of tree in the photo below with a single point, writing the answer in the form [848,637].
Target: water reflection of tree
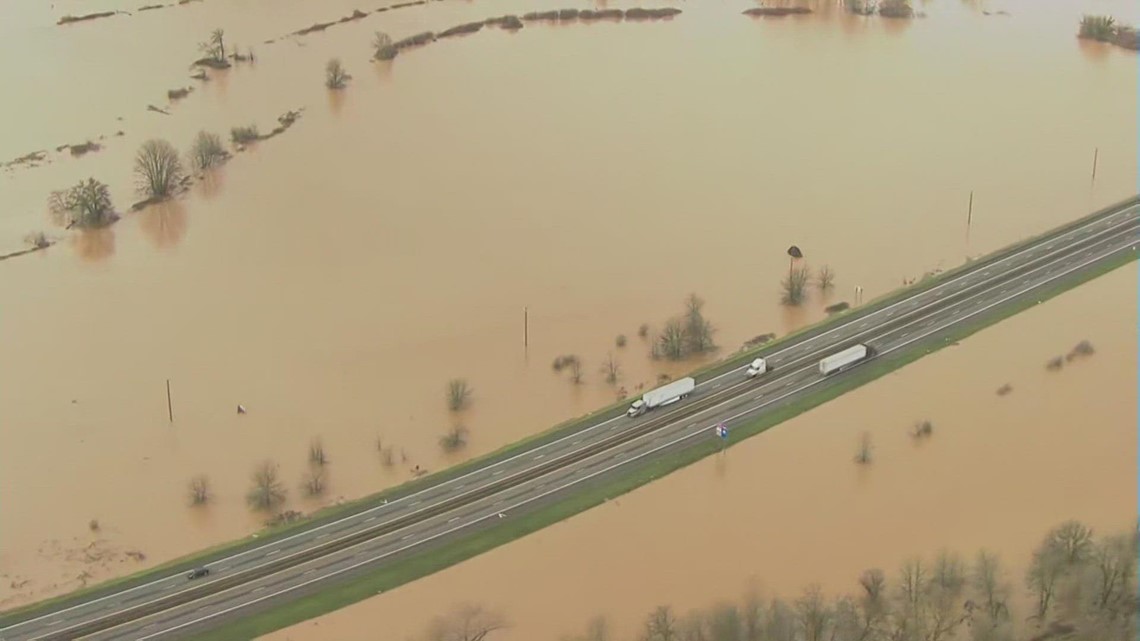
[211,183]
[95,245]
[164,224]
[336,102]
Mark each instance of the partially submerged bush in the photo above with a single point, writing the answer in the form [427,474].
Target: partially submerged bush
[896,9]
[1004,389]
[382,46]
[455,439]
[825,279]
[313,482]
[458,394]
[244,135]
[620,340]
[1102,28]
[1083,348]
[564,361]
[199,490]
[923,429]
[795,286]
[643,331]
[1055,363]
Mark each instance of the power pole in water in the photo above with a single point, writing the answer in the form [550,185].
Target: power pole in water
[169,405]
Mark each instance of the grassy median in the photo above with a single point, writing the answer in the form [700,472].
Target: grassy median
[415,567]
[333,513]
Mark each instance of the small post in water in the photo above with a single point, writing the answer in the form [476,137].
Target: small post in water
[1096,154]
[169,406]
[526,327]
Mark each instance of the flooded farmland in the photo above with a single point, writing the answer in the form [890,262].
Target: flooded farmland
[333,279]
[789,507]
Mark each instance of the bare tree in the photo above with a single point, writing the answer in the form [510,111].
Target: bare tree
[725,623]
[990,587]
[267,491]
[813,614]
[825,279]
[336,77]
[947,585]
[643,330]
[215,47]
[672,340]
[1046,569]
[698,331]
[158,168]
[466,623]
[199,490]
[87,204]
[207,151]
[382,46]
[458,394]
[661,625]
[454,439]
[611,369]
[795,286]
[1073,540]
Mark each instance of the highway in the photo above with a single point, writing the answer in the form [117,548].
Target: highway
[306,562]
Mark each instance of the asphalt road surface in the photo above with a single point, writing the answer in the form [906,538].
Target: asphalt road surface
[311,560]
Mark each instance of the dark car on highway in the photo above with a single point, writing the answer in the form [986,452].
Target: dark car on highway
[197,572]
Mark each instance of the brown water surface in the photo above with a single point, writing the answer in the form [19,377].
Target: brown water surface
[333,279]
[790,507]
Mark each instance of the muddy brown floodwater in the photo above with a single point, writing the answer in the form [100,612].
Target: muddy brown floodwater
[334,278]
[790,507]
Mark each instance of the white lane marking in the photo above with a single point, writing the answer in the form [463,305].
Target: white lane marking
[593,474]
[1029,251]
[453,520]
[539,456]
[370,519]
[309,571]
[272,552]
[497,472]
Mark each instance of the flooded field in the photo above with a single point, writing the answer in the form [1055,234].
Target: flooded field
[789,507]
[334,278]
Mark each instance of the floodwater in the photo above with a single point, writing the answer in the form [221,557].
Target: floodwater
[790,507]
[334,278]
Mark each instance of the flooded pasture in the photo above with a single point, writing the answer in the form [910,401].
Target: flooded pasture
[334,278]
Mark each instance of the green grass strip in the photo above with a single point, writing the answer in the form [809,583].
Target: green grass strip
[409,569]
[333,513]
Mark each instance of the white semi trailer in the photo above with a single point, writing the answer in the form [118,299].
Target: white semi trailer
[843,360]
[663,395]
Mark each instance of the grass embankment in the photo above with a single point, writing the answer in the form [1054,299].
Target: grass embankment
[333,513]
[591,495]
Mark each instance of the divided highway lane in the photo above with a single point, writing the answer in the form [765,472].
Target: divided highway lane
[757,398]
[63,624]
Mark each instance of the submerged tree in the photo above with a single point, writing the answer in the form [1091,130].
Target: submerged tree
[206,151]
[158,168]
[795,286]
[336,77]
[458,394]
[382,47]
[87,204]
[466,623]
[267,491]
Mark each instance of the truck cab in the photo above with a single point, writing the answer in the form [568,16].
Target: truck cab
[758,367]
[637,408]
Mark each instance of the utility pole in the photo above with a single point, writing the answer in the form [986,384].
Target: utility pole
[169,405]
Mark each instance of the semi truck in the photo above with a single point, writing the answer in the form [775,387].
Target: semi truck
[842,360]
[663,395]
[757,368]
